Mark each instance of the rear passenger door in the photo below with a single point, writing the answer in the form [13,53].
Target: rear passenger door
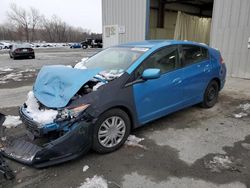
[196,72]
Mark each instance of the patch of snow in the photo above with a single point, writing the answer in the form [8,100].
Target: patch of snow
[95,182]
[98,85]
[15,76]
[43,116]
[110,75]
[245,107]
[6,69]
[28,70]
[80,65]
[12,76]
[84,59]
[28,76]
[85,168]
[134,141]
[219,163]
[11,121]
[240,115]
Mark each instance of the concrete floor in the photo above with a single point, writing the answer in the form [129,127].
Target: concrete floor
[179,149]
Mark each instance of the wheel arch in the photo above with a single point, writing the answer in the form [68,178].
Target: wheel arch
[217,80]
[127,111]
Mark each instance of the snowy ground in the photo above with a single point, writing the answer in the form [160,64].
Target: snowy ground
[191,148]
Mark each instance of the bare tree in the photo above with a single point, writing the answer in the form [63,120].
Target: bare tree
[30,25]
[21,18]
[35,20]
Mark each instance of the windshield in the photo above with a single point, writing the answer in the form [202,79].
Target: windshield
[116,58]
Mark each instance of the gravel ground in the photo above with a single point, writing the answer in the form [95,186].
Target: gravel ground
[194,147]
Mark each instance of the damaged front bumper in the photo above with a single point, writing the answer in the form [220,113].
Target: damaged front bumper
[69,146]
[35,128]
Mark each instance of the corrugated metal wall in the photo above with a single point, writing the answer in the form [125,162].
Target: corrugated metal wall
[230,34]
[129,14]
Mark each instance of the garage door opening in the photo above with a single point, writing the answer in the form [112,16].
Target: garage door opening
[180,20]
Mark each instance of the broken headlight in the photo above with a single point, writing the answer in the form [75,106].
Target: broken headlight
[69,113]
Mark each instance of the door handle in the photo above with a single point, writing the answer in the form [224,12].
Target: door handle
[177,81]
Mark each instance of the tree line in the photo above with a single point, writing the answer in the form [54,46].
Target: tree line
[30,25]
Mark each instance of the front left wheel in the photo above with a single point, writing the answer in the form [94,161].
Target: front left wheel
[111,131]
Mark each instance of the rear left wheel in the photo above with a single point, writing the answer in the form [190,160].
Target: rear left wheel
[111,131]
[211,95]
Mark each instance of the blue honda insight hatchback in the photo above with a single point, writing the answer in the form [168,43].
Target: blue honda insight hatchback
[117,90]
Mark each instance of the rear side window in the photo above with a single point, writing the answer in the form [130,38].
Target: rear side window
[193,54]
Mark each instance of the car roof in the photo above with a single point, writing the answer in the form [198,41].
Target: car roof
[159,43]
[22,45]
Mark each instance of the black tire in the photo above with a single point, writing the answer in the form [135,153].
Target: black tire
[97,146]
[211,95]
[33,57]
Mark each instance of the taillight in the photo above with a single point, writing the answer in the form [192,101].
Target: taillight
[221,60]
[30,49]
[17,50]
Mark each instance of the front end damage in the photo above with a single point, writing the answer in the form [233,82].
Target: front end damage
[58,127]
[46,151]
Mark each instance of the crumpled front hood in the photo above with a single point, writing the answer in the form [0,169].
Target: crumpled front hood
[55,85]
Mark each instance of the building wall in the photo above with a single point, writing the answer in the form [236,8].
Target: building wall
[230,33]
[128,18]
[167,32]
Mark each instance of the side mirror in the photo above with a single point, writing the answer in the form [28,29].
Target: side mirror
[151,74]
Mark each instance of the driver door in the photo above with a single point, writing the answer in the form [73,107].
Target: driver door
[155,98]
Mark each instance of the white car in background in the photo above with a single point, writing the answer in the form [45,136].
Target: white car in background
[5,45]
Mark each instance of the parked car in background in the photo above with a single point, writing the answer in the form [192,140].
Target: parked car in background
[97,103]
[21,51]
[5,45]
[76,45]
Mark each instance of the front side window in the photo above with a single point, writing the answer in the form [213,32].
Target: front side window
[193,54]
[166,59]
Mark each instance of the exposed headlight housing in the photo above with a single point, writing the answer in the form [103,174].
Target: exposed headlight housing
[69,113]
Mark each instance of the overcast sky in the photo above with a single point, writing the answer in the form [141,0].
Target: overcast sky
[83,13]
